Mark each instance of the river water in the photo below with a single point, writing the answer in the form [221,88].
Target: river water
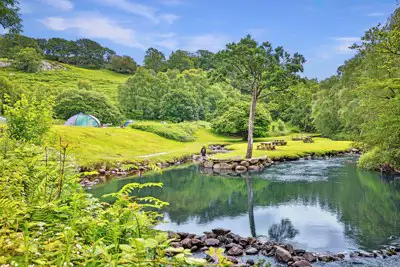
[318,205]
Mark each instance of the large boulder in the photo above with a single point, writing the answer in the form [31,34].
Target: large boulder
[245,163]
[282,255]
[254,161]
[253,168]
[223,166]
[241,168]
[251,251]
[309,257]
[197,242]
[208,164]
[212,242]
[186,243]
[235,251]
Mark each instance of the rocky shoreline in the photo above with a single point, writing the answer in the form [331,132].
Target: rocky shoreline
[228,166]
[235,247]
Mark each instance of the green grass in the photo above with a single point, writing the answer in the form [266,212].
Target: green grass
[104,81]
[292,149]
[184,132]
[93,147]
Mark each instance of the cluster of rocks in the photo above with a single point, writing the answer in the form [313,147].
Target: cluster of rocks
[214,149]
[237,165]
[236,246]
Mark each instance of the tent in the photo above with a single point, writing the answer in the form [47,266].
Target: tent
[128,122]
[83,120]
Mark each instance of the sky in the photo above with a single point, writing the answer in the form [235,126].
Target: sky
[321,30]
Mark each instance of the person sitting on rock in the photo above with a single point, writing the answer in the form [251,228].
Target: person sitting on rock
[203,152]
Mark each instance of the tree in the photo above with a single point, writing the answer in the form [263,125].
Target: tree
[123,64]
[261,71]
[154,60]
[9,93]
[74,101]
[179,106]
[29,120]
[9,16]
[28,60]
[233,120]
[11,44]
[89,53]
[204,59]
[180,60]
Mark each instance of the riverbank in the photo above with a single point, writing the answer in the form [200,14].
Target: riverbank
[236,248]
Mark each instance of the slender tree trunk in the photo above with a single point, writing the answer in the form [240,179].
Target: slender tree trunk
[249,153]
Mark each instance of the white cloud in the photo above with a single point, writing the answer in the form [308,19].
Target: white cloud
[146,11]
[171,44]
[376,14]
[344,43]
[95,26]
[169,18]
[64,5]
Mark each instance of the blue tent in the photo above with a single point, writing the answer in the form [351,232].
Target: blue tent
[83,120]
[128,122]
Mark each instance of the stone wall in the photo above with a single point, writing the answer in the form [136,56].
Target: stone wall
[237,165]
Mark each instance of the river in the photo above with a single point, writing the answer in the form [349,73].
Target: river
[319,205]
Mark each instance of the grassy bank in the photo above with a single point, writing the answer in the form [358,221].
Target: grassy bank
[93,147]
[103,81]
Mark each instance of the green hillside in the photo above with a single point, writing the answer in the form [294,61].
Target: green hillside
[102,80]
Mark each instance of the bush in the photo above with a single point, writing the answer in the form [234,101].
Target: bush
[28,60]
[124,64]
[235,120]
[178,106]
[74,101]
[29,120]
[278,128]
[183,132]
[84,85]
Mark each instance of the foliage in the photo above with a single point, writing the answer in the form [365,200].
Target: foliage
[178,106]
[11,44]
[278,128]
[84,85]
[260,70]
[9,16]
[180,60]
[74,101]
[28,60]
[154,60]
[9,93]
[235,117]
[29,120]
[123,64]
[183,132]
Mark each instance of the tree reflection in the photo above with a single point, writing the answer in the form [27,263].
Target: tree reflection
[282,231]
[250,203]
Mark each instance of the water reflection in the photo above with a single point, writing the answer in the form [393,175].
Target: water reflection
[326,204]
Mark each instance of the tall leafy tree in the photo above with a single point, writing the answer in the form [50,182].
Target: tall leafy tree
[154,60]
[9,16]
[260,70]
[123,64]
[180,60]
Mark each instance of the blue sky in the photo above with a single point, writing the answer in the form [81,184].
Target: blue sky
[320,30]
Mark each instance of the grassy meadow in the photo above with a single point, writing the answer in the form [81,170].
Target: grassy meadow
[92,147]
[102,80]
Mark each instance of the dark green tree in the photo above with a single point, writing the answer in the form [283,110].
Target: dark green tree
[28,60]
[178,106]
[123,64]
[9,16]
[180,60]
[154,60]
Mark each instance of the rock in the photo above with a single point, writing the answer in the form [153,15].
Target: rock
[290,248]
[254,161]
[301,263]
[250,262]
[194,249]
[223,239]
[186,243]
[203,249]
[240,168]
[175,244]
[208,164]
[340,256]
[325,258]
[251,251]
[232,259]
[253,168]
[102,171]
[309,257]
[231,245]
[182,235]
[235,251]
[212,242]
[391,252]
[299,252]
[243,242]
[245,163]
[197,242]
[220,231]
[223,166]
[282,255]
[366,254]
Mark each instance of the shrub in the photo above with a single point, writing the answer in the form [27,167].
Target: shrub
[278,128]
[29,120]
[178,106]
[84,85]
[28,60]
[183,132]
[74,101]
[235,120]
